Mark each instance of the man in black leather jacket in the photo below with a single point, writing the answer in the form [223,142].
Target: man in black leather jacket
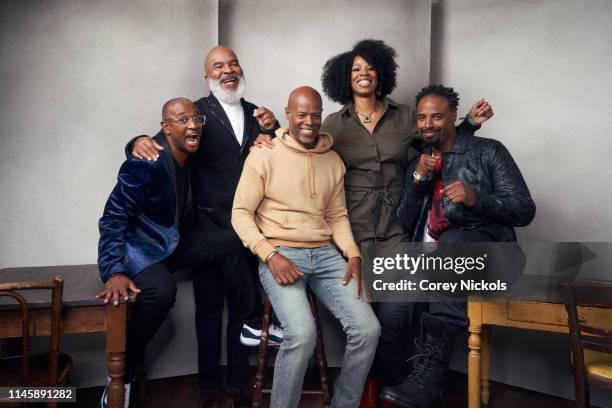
[461,189]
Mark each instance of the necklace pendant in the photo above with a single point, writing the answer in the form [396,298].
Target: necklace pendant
[367,118]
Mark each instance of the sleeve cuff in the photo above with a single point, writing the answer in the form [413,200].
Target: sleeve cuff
[263,249]
[471,120]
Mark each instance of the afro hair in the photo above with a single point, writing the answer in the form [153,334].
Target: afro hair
[336,77]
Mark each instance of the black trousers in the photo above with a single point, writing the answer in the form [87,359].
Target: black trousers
[229,272]
[400,321]
[157,295]
[220,264]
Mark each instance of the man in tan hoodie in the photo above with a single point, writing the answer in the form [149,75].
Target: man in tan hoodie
[290,210]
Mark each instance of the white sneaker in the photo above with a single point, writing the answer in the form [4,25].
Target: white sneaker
[104,399]
[252,337]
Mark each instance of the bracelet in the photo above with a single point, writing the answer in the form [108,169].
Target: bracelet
[270,256]
[418,177]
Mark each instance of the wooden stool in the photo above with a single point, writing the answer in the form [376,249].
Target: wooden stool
[262,358]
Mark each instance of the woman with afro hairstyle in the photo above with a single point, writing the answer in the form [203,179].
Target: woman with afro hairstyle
[375,137]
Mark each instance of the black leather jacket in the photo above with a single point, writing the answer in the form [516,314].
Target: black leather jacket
[485,165]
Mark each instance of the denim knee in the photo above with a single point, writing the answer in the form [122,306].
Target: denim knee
[365,334]
[302,338]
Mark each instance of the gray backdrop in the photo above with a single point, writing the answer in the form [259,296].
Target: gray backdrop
[79,78]
[283,44]
[544,65]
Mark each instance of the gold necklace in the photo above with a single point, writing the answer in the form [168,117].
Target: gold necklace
[367,117]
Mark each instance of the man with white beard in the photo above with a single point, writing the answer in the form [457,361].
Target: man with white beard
[232,124]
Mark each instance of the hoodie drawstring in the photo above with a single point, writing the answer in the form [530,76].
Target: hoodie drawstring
[310,170]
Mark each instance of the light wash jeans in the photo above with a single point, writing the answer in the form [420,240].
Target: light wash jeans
[323,269]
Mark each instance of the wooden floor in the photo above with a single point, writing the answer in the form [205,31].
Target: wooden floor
[183,392]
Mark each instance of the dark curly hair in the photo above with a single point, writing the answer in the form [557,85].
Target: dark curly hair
[449,93]
[336,77]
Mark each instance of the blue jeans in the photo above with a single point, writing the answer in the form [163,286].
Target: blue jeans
[323,269]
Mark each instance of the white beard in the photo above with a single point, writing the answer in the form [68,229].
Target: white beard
[229,97]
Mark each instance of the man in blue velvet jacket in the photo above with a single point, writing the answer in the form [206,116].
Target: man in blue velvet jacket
[148,230]
[139,243]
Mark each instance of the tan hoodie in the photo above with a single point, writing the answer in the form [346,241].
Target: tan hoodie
[294,197]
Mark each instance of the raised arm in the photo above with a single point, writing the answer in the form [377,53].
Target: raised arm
[414,193]
[479,113]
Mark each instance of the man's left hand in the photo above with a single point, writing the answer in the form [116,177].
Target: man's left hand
[458,192]
[265,118]
[481,111]
[353,271]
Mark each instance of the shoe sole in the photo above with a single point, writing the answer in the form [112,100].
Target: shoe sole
[254,342]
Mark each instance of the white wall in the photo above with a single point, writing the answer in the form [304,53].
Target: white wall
[283,44]
[78,79]
[545,67]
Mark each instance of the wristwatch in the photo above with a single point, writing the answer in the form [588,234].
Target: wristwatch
[419,178]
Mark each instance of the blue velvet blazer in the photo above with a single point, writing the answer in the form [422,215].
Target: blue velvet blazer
[139,226]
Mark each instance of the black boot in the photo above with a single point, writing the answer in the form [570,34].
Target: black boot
[425,386]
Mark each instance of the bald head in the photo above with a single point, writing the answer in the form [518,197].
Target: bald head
[304,92]
[182,126]
[218,56]
[303,113]
[169,105]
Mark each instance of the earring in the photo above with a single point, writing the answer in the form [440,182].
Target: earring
[379,89]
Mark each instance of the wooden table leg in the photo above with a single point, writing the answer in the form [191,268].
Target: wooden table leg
[262,356]
[485,363]
[474,343]
[116,318]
